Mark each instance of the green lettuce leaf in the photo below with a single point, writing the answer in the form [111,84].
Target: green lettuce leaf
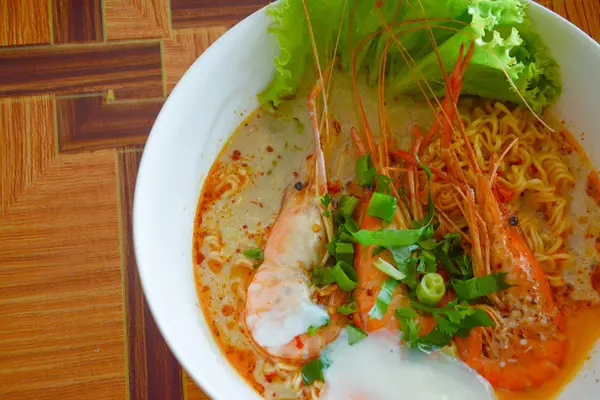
[505,45]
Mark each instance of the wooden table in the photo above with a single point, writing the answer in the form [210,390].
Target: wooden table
[73,321]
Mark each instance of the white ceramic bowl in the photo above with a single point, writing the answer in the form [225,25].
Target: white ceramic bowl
[204,110]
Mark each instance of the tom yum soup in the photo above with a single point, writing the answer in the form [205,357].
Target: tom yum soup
[401,217]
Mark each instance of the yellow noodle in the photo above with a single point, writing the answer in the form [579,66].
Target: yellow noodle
[534,169]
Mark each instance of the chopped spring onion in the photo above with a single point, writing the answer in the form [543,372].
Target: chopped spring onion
[346,237]
[312,330]
[312,371]
[345,276]
[382,206]
[365,171]
[348,205]
[431,289]
[344,252]
[254,254]
[474,288]
[348,308]
[355,334]
[388,269]
[322,276]
[383,299]
[389,237]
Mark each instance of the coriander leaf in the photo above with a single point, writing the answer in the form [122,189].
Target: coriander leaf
[465,265]
[409,269]
[312,371]
[406,263]
[455,319]
[434,340]
[355,334]
[254,254]
[409,330]
[474,288]
[452,256]
[383,299]
[426,262]
[326,200]
[477,318]
[405,312]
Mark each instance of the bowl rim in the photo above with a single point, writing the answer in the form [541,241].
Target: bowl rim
[211,388]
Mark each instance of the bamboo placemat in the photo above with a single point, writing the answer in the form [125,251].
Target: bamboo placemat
[81,82]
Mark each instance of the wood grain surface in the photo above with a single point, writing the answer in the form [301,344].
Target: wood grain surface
[81,82]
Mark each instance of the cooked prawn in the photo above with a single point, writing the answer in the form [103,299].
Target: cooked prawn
[279,305]
[528,345]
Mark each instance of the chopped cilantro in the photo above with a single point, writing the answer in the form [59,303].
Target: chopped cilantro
[474,288]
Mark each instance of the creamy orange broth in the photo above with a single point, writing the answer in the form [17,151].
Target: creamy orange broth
[264,156]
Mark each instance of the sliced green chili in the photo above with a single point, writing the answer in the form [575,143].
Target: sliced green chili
[431,289]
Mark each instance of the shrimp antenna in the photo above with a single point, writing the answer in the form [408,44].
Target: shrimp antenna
[312,109]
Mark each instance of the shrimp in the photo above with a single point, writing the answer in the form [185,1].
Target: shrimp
[528,344]
[279,308]
[370,279]
[279,305]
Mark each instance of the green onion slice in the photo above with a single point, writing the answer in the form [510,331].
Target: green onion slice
[345,276]
[388,269]
[348,308]
[383,299]
[389,237]
[347,205]
[365,171]
[382,206]
[344,252]
[431,289]
[355,334]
